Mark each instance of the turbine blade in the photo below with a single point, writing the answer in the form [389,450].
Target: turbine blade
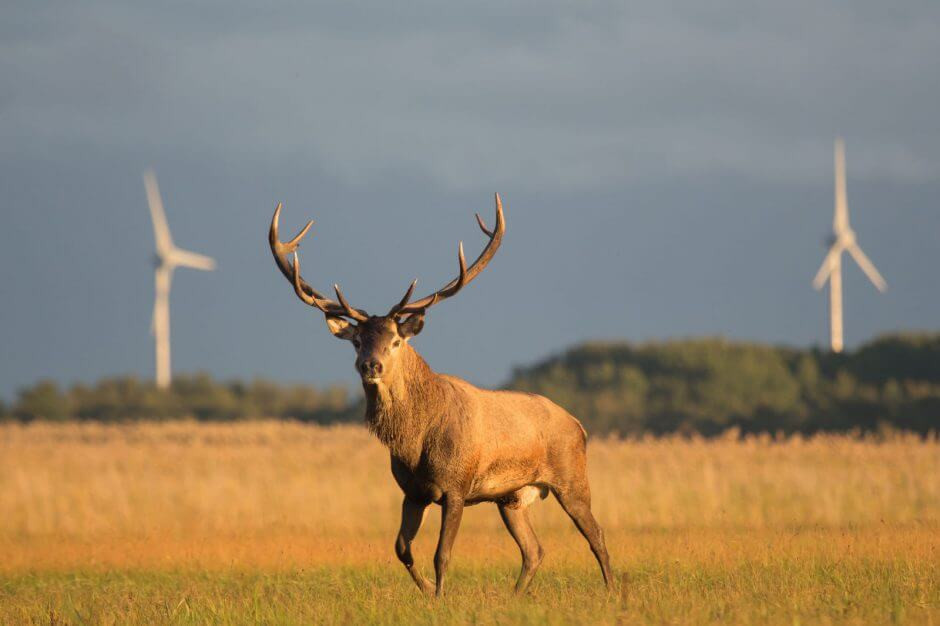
[161,231]
[840,222]
[826,268]
[868,267]
[185,258]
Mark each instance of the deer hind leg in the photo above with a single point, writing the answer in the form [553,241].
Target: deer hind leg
[576,502]
[412,515]
[516,517]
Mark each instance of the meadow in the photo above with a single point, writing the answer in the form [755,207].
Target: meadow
[279,522]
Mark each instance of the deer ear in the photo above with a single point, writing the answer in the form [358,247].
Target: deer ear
[411,326]
[340,327]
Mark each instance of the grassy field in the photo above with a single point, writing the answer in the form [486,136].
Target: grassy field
[283,523]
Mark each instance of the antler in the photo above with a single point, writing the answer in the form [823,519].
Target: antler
[466,274]
[292,273]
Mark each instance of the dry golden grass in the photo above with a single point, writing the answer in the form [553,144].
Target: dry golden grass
[268,497]
[87,480]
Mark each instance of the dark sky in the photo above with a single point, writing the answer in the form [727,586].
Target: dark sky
[666,172]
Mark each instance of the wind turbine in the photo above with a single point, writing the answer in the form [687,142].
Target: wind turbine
[843,239]
[167,259]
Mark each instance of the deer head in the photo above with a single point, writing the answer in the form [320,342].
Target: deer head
[378,339]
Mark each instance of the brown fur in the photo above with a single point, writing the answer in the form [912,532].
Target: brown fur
[451,443]
[454,444]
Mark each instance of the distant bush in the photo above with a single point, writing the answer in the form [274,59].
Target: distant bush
[43,400]
[710,385]
[198,396]
[697,385]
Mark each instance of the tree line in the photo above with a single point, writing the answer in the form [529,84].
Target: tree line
[695,385]
[711,385]
[196,397]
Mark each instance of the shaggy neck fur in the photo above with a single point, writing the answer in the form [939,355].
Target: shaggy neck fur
[402,407]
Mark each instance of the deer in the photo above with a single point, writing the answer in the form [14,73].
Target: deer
[453,444]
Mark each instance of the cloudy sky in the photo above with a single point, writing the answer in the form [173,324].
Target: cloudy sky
[666,172]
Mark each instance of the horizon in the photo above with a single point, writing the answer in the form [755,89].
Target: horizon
[603,342]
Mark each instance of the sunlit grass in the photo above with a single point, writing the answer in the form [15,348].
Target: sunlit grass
[285,523]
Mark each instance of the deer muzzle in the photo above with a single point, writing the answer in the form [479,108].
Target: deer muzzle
[370,369]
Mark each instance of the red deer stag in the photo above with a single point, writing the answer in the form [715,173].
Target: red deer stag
[451,443]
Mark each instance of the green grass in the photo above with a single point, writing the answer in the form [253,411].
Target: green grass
[783,591]
[280,523]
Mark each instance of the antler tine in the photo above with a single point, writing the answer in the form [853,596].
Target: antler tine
[466,274]
[348,310]
[462,279]
[499,214]
[401,304]
[280,250]
[290,246]
[483,227]
[303,295]
[458,283]
[305,292]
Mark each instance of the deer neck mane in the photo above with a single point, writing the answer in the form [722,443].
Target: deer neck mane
[401,408]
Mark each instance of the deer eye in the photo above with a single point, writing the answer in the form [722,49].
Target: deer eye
[396,343]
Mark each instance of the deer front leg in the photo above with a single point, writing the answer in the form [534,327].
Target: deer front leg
[451,513]
[412,515]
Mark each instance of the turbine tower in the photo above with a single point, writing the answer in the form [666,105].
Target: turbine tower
[168,258]
[843,239]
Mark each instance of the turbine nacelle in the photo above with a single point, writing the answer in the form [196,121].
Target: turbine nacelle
[846,239]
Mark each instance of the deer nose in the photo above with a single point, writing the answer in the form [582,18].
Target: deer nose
[370,367]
